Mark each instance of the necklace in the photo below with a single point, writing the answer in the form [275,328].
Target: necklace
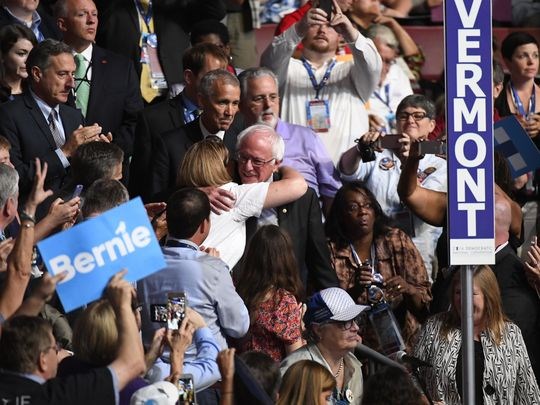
[340,368]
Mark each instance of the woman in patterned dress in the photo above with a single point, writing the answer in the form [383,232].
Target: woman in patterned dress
[503,373]
[270,286]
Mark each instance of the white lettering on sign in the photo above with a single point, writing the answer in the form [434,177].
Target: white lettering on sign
[470,179]
[108,251]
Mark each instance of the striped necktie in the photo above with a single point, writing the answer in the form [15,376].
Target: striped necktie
[57,135]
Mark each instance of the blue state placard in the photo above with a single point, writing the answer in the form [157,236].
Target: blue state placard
[516,146]
[93,251]
[469,120]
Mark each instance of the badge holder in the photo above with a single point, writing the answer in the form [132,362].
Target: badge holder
[318,115]
[149,56]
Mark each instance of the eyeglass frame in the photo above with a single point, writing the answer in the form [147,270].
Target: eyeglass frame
[260,99]
[56,347]
[404,116]
[255,162]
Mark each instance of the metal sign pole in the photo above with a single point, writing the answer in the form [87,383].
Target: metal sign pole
[467,327]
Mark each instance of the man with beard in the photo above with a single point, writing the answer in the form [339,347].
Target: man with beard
[317,90]
[304,150]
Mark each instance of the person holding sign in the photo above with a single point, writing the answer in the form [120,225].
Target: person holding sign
[29,362]
[317,90]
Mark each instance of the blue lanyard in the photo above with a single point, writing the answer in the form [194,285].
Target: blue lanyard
[387,94]
[146,17]
[519,104]
[318,86]
[358,261]
[175,243]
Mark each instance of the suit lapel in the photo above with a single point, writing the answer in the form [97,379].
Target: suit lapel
[39,119]
[99,63]
[176,111]
[193,131]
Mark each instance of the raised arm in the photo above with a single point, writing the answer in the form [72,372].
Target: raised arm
[291,187]
[20,260]
[129,362]
[428,205]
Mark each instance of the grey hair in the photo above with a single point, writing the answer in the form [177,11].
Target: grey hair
[274,139]
[385,34]
[9,183]
[254,73]
[206,87]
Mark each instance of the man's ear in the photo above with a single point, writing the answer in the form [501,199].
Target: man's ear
[276,166]
[61,23]
[36,74]
[42,365]
[10,208]
[189,76]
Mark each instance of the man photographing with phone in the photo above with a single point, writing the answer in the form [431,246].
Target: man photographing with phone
[380,168]
[327,94]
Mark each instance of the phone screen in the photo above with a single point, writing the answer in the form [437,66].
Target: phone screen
[176,309]
[77,192]
[186,390]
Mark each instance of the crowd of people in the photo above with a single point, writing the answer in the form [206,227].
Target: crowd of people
[292,203]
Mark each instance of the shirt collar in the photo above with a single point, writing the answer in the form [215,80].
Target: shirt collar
[44,107]
[501,247]
[186,241]
[36,19]
[206,133]
[189,105]
[33,377]
[87,53]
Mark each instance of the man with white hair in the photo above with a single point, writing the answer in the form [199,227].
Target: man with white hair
[259,154]
[304,150]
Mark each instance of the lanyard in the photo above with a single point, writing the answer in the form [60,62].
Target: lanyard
[318,86]
[519,104]
[175,243]
[358,261]
[387,96]
[146,17]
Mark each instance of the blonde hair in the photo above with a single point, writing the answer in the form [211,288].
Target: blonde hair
[205,164]
[494,317]
[95,337]
[303,383]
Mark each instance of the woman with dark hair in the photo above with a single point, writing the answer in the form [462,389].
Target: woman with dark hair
[16,42]
[271,288]
[358,232]
[503,373]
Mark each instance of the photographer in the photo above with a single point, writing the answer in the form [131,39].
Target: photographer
[380,169]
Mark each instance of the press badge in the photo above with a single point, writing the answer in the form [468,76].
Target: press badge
[149,56]
[318,115]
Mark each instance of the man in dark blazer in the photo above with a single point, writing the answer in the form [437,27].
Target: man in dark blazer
[219,96]
[167,115]
[37,124]
[258,159]
[120,30]
[30,14]
[113,99]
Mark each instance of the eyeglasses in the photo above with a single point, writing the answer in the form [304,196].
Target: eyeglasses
[417,116]
[345,325]
[271,98]
[355,207]
[255,162]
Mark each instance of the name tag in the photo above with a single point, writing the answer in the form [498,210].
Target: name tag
[318,115]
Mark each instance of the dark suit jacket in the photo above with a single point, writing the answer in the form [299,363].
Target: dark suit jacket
[115,97]
[24,125]
[302,220]
[119,30]
[169,151]
[520,302]
[152,121]
[47,26]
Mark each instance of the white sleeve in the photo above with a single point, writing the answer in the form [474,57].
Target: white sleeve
[366,71]
[249,200]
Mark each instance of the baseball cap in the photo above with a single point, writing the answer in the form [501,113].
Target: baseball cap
[159,393]
[332,304]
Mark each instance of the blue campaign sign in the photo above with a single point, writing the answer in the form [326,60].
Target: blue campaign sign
[516,146]
[92,251]
[469,112]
